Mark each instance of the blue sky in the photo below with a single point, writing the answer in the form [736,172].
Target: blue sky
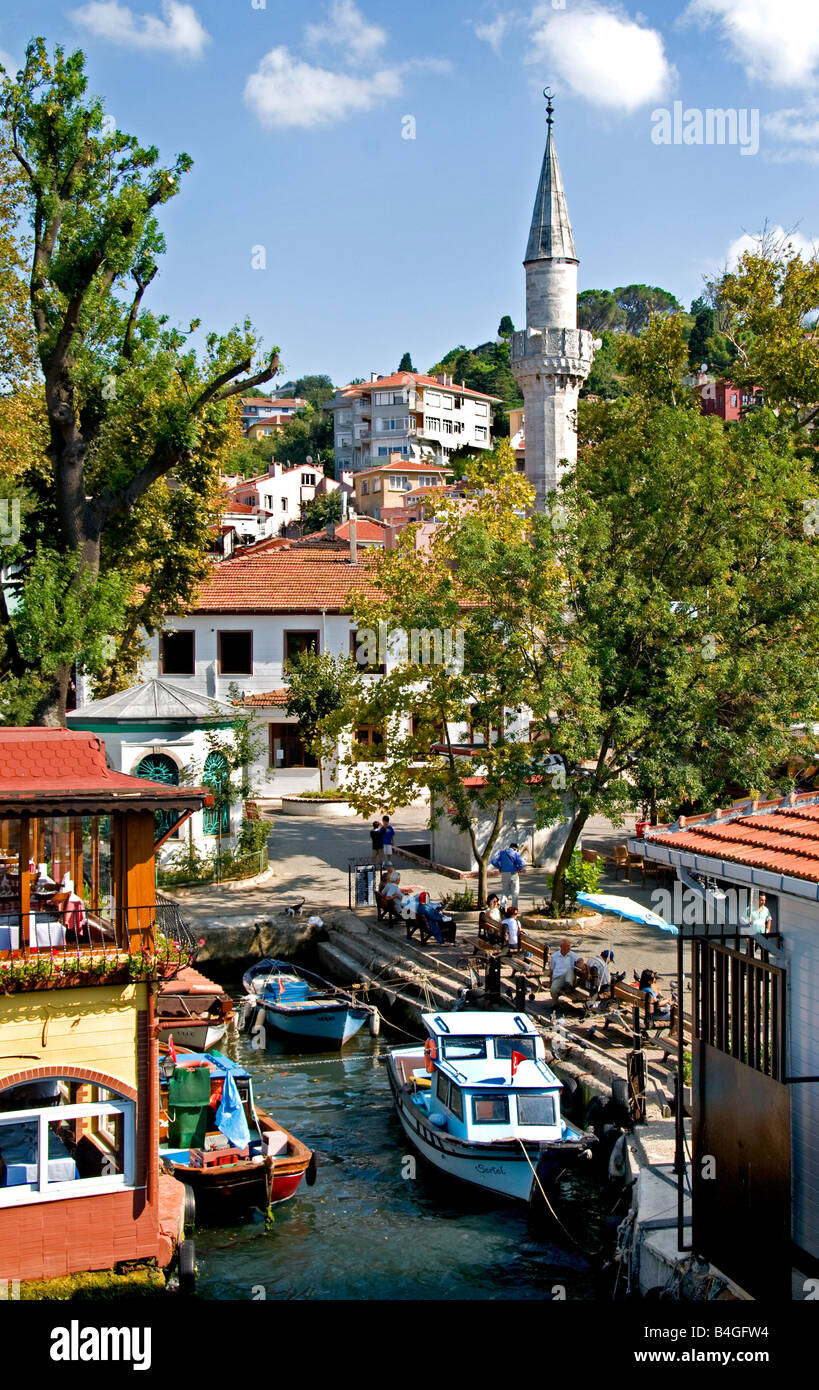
[375,244]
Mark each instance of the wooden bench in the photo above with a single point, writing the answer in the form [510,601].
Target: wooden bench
[385,909]
[535,951]
[638,998]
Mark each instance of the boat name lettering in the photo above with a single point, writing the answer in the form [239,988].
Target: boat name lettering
[487,1168]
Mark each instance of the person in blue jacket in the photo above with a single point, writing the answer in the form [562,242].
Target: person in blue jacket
[510,863]
[387,837]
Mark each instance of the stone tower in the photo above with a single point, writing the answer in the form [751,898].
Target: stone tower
[552,357]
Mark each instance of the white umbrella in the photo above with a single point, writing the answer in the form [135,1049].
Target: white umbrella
[625,907]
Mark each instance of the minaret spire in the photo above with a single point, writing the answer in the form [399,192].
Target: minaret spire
[551,235]
[551,358]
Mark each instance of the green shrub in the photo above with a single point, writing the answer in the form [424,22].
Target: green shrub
[253,836]
[463,901]
[581,876]
[323,796]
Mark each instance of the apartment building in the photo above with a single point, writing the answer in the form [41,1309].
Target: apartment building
[280,492]
[255,408]
[384,486]
[421,418]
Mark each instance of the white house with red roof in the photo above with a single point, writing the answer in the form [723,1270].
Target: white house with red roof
[276,497]
[419,417]
[747,899]
[255,408]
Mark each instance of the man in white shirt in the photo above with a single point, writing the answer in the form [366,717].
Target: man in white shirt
[563,963]
[600,964]
[757,918]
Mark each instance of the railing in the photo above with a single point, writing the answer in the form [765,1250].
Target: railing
[215,869]
[55,950]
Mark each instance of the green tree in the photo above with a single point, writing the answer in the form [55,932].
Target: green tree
[506,327]
[707,344]
[462,586]
[316,390]
[306,434]
[318,685]
[319,512]
[599,312]
[640,302]
[405,365]
[607,378]
[111,369]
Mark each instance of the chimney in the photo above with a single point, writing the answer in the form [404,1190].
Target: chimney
[344,504]
[353,540]
[373,376]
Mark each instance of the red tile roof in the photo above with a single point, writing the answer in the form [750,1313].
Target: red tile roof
[366,530]
[403,466]
[242,508]
[295,579]
[275,698]
[781,837]
[403,378]
[65,769]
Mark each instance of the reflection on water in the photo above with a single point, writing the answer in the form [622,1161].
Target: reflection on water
[366,1232]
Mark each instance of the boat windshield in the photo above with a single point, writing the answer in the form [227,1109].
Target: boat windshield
[504,1047]
[464,1049]
[536,1108]
[490,1110]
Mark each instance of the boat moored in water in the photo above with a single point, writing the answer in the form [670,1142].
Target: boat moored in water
[302,1007]
[479,1102]
[212,1137]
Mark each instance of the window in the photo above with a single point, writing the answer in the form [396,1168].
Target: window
[464,1049]
[368,737]
[365,487]
[158,767]
[61,1137]
[308,479]
[284,504]
[456,1101]
[235,653]
[177,654]
[448,427]
[287,748]
[402,449]
[399,483]
[480,408]
[480,432]
[733,399]
[490,1110]
[433,398]
[433,422]
[446,402]
[364,652]
[300,642]
[536,1108]
[377,483]
[383,398]
[216,776]
[441,1087]
[504,1047]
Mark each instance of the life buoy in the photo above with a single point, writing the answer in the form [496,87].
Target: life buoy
[430,1054]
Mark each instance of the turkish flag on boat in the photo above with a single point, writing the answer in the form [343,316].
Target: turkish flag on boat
[171,1049]
[517,1058]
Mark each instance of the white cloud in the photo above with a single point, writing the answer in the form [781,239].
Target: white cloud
[285,91]
[772,238]
[599,53]
[796,133]
[180,31]
[347,28]
[775,42]
[493,32]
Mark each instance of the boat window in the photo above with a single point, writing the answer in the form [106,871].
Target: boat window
[441,1087]
[504,1047]
[456,1101]
[536,1108]
[490,1110]
[464,1049]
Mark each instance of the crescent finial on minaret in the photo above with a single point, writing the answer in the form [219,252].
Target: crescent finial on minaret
[550,106]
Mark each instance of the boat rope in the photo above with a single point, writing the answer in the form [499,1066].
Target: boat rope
[586,1252]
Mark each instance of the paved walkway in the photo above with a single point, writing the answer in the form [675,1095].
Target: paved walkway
[310,855]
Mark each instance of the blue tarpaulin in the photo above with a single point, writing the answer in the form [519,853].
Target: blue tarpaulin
[230,1117]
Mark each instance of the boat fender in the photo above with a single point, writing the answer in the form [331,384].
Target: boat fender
[430,1054]
[187,1267]
[375,1023]
[312,1169]
[619,1165]
[190,1206]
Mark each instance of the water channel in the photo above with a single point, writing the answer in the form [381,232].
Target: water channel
[365,1230]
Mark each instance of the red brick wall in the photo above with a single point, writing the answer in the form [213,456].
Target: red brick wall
[43,1240]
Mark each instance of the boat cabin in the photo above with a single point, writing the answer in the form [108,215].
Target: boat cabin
[489,1078]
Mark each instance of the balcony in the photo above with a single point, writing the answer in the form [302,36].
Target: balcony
[62,946]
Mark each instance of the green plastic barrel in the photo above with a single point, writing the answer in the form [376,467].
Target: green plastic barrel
[188,1097]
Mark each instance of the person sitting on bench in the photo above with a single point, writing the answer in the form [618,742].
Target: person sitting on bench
[511,928]
[599,974]
[431,914]
[563,964]
[661,1008]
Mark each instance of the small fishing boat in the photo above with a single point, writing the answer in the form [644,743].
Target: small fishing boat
[213,1138]
[194,1010]
[302,1007]
[478,1101]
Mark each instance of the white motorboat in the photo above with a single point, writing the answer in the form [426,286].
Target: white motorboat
[478,1101]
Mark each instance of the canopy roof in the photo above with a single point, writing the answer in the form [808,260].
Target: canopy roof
[64,772]
[154,700]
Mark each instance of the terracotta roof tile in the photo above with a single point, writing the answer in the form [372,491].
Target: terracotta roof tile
[55,764]
[784,839]
[275,698]
[306,580]
[403,378]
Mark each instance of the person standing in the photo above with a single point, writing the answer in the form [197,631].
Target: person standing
[376,836]
[510,863]
[757,918]
[387,839]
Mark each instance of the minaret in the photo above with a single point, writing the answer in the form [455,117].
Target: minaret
[552,357]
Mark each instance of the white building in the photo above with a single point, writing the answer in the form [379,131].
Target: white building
[280,492]
[255,408]
[419,417]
